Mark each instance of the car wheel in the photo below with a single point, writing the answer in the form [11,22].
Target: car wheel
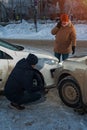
[38,80]
[69,92]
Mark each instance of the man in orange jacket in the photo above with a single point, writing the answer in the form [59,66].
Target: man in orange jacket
[65,38]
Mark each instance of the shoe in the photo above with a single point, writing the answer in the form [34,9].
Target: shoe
[16,106]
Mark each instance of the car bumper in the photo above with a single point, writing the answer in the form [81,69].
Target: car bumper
[48,74]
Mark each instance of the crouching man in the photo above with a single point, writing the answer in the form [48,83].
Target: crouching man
[19,88]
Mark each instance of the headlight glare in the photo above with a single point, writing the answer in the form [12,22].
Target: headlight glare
[48,61]
[43,61]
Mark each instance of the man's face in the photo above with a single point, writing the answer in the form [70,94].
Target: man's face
[64,23]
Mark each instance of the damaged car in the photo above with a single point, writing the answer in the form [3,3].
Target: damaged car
[71,81]
[10,54]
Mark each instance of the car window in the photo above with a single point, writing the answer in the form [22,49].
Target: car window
[11,46]
[3,55]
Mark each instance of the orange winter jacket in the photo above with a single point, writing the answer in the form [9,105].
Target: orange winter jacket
[65,38]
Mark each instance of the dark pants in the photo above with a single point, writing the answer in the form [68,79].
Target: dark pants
[24,98]
[64,56]
[29,97]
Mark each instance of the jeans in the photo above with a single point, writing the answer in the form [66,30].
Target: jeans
[64,56]
[25,98]
[29,97]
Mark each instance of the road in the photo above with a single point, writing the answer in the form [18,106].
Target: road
[48,44]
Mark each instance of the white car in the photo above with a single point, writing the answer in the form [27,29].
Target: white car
[10,54]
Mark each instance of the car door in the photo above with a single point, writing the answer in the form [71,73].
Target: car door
[4,68]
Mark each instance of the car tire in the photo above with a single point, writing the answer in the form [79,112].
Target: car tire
[39,83]
[69,92]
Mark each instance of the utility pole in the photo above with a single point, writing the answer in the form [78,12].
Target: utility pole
[0,11]
[12,8]
[35,13]
[20,11]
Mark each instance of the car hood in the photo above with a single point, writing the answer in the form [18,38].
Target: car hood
[79,58]
[74,62]
[39,52]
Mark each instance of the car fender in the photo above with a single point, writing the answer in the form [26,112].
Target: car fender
[77,75]
[3,72]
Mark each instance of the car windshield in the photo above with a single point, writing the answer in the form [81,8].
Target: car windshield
[11,46]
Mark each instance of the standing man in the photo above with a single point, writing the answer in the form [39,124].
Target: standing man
[19,86]
[65,38]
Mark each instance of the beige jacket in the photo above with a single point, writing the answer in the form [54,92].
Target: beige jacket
[65,38]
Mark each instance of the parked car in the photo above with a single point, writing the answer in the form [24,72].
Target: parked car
[11,53]
[71,80]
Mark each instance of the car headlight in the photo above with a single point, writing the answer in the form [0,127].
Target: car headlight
[43,61]
[50,61]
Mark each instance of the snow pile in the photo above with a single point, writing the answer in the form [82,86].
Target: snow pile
[27,30]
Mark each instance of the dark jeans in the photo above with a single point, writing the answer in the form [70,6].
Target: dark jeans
[24,98]
[64,56]
[29,97]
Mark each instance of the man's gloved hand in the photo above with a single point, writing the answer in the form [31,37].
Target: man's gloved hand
[59,24]
[73,49]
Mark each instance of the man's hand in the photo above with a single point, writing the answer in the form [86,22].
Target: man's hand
[73,49]
[59,24]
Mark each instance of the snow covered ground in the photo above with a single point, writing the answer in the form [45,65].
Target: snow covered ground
[27,30]
[50,114]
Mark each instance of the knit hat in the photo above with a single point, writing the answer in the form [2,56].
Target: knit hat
[32,59]
[64,18]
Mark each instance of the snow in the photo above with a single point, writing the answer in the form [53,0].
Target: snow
[51,113]
[27,30]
